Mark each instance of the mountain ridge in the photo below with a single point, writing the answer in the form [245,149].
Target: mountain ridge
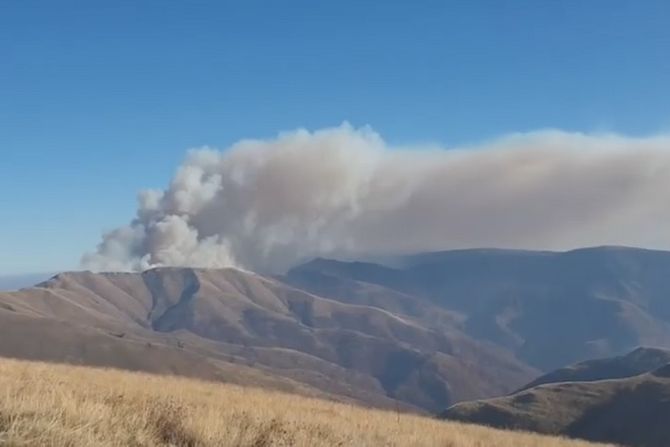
[641,360]
[234,312]
[626,405]
[445,327]
[613,297]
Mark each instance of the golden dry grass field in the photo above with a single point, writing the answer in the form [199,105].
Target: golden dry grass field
[58,405]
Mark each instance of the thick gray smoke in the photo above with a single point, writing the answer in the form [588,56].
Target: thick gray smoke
[342,192]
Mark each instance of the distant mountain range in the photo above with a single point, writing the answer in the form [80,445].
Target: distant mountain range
[210,321]
[639,361]
[419,333]
[550,309]
[624,400]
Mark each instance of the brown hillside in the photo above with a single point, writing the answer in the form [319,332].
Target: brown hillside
[632,411]
[636,362]
[357,351]
[550,308]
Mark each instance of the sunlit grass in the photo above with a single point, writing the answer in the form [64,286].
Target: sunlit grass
[57,405]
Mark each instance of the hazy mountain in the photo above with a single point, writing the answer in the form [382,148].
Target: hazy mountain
[356,350]
[550,308]
[631,411]
[639,361]
[422,332]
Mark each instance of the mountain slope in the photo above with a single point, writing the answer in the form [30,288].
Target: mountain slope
[639,361]
[430,331]
[632,411]
[358,351]
[550,308]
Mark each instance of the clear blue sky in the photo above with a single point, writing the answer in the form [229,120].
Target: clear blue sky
[99,99]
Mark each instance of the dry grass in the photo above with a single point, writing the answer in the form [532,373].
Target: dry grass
[57,405]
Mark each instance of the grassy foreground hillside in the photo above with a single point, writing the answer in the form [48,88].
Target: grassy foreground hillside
[56,405]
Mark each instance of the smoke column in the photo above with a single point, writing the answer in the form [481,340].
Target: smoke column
[342,192]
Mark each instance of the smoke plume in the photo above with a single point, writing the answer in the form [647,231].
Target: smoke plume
[342,192]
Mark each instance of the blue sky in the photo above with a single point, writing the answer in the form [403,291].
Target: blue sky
[101,99]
